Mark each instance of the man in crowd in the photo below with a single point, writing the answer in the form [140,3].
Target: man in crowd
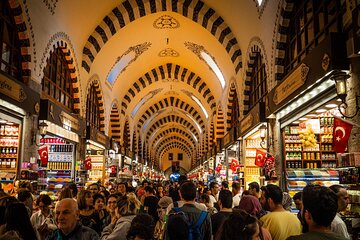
[188,195]
[225,203]
[299,205]
[121,188]
[151,203]
[319,210]
[66,216]
[236,193]
[280,223]
[214,189]
[94,188]
[254,189]
[338,226]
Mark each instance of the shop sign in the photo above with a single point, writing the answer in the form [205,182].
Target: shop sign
[295,80]
[69,122]
[12,89]
[95,152]
[229,137]
[52,141]
[101,138]
[247,123]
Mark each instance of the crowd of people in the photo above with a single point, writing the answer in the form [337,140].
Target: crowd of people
[174,211]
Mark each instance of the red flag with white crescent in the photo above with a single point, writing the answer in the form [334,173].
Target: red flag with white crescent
[260,158]
[44,155]
[234,164]
[341,135]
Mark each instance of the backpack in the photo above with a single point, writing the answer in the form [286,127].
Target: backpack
[193,230]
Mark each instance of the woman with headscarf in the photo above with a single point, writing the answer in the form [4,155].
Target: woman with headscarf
[252,206]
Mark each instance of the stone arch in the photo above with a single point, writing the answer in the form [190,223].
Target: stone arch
[174,130]
[220,124]
[232,106]
[169,72]
[179,145]
[60,40]
[171,102]
[256,47]
[114,126]
[126,134]
[94,81]
[176,137]
[130,10]
[24,40]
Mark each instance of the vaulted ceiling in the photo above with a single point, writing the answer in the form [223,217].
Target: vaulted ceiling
[149,57]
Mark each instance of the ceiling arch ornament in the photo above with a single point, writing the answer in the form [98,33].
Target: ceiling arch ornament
[255,46]
[166,72]
[260,6]
[130,10]
[283,16]
[24,40]
[172,119]
[181,132]
[94,81]
[169,52]
[166,22]
[125,60]
[114,126]
[60,40]
[171,102]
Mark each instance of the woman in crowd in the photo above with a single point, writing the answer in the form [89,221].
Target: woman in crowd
[99,206]
[43,221]
[205,199]
[239,226]
[88,216]
[127,208]
[111,207]
[17,219]
[160,191]
[142,227]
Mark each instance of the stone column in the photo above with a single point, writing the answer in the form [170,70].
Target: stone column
[353,89]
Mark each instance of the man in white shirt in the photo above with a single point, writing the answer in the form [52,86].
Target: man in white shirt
[236,193]
[214,188]
[338,226]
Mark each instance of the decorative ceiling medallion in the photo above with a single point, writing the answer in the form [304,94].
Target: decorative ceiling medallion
[195,48]
[166,21]
[125,60]
[51,5]
[168,52]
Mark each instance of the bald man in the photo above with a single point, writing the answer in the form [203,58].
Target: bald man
[66,216]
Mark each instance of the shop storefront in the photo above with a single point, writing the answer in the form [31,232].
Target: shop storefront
[16,102]
[254,146]
[126,166]
[59,142]
[232,157]
[305,106]
[97,146]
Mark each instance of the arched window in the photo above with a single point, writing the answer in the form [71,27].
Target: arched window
[10,62]
[92,108]
[56,84]
[258,87]
[312,21]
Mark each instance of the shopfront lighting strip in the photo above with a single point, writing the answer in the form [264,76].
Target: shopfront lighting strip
[12,107]
[305,97]
[61,132]
[95,144]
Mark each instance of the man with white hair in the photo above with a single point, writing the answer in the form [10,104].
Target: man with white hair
[66,216]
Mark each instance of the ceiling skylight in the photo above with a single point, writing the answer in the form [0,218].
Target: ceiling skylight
[201,106]
[208,59]
[125,60]
[144,99]
[259,2]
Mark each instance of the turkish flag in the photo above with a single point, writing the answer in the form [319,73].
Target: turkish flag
[260,158]
[44,155]
[218,168]
[234,164]
[341,135]
[87,163]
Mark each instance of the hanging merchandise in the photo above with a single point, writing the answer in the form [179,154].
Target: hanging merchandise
[341,135]
[260,158]
[269,168]
[44,155]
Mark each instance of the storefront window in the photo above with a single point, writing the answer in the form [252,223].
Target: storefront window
[258,87]
[312,21]
[10,62]
[56,84]
[92,108]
